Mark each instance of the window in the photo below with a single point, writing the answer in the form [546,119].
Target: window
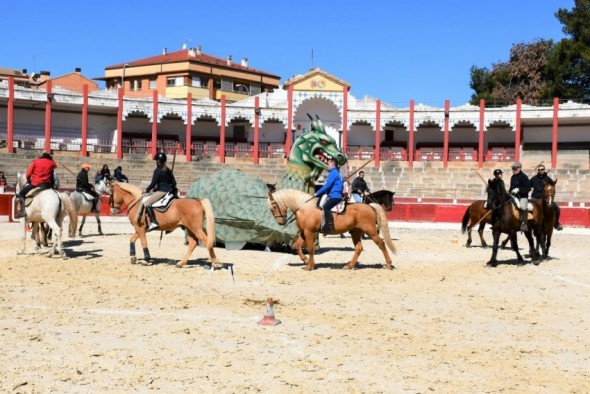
[174,81]
[227,85]
[200,82]
[138,84]
[153,84]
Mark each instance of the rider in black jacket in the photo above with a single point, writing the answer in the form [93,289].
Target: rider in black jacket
[520,186]
[163,181]
[538,184]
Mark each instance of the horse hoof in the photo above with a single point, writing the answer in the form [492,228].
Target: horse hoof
[179,265]
[146,263]
[133,260]
[492,264]
[536,262]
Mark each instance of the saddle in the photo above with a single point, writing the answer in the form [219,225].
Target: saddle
[516,210]
[164,203]
[87,196]
[339,208]
[30,196]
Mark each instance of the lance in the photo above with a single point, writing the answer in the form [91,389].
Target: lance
[360,168]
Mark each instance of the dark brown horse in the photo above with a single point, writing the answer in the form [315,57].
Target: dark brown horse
[477,214]
[506,221]
[381,197]
[357,219]
[549,215]
[186,213]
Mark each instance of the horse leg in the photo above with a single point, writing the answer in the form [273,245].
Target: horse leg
[532,251]
[358,248]
[503,245]
[132,247]
[58,241]
[480,232]
[493,260]
[309,238]
[97,216]
[298,246]
[514,243]
[192,244]
[200,234]
[548,235]
[82,225]
[381,244]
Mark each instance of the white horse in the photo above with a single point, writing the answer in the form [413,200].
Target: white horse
[82,205]
[102,187]
[49,206]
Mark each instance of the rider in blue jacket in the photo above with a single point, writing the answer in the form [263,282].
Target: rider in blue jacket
[333,188]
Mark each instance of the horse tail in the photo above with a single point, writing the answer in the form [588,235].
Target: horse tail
[72,213]
[465,220]
[384,226]
[210,222]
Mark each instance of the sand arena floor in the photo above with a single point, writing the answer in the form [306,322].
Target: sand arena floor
[440,322]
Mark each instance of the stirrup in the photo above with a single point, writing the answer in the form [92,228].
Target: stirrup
[153,226]
[558,227]
[524,227]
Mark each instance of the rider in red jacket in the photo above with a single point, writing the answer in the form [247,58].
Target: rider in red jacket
[39,173]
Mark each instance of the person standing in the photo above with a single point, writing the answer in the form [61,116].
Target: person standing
[333,188]
[538,184]
[520,186]
[84,186]
[39,173]
[359,187]
[163,181]
[119,176]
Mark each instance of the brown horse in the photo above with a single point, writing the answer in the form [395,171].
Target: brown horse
[186,213]
[549,215]
[358,219]
[506,221]
[475,214]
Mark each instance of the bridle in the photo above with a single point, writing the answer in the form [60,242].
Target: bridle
[276,205]
[117,209]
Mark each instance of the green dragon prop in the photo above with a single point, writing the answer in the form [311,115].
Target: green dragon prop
[239,199]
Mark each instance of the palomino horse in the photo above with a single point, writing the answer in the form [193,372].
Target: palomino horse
[187,213]
[83,206]
[475,214]
[381,197]
[506,221]
[48,206]
[357,219]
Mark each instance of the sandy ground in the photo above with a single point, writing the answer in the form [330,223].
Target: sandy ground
[440,322]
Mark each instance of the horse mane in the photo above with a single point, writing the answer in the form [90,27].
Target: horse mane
[291,197]
[129,188]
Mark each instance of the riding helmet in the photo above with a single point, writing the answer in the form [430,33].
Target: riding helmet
[160,157]
[86,166]
[46,155]
[497,172]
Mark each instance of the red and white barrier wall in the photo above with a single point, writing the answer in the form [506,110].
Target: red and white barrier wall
[404,210]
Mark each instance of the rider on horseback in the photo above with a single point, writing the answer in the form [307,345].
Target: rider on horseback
[520,186]
[163,181]
[333,188]
[83,186]
[538,183]
[39,173]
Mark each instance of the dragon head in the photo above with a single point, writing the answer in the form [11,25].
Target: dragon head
[312,149]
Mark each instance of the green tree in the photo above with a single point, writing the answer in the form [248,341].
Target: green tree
[568,70]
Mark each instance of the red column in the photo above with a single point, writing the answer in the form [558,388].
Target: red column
[344,119]
[48,119]
[446,135]
[411,136]
[377,152]
[10,116]
[155,124]
[289,121]
[84,151]
[518,131]
[555,133]
[222,132]
[256,128]
[189,125]
[120,125]
[482,107]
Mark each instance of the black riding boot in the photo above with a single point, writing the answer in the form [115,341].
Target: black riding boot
[523,220]
[329,224]
[153,222]
[21,208]
[94,202]
[558,225]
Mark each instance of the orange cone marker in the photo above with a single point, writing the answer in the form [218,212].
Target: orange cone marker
[269,317]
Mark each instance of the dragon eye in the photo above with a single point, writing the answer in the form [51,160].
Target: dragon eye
[324,142]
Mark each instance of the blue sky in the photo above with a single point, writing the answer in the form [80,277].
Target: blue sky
[390,50]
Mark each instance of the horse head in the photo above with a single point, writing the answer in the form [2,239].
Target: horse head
[278,211]
[496,193]
[312,149]
[549,192]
